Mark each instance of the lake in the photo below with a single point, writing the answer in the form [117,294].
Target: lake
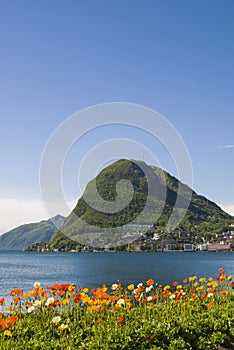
[22,269]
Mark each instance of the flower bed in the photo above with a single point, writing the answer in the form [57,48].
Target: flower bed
[194,314]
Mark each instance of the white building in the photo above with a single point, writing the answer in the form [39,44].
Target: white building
[188,247]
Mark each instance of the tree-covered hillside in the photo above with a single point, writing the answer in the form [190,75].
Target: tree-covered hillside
[26,235]
[151,186]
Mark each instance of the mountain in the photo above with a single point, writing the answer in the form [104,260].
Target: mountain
[25,235]
[151,188]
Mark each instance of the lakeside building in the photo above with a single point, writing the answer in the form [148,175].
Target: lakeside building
[188,247]
[219,247]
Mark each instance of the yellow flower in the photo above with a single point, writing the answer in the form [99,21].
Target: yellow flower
[118,307]
[179,286]
[229,278]
[86,299]
[85,290]
[192,278]
[62,327]
[202,279]
[71,287]
[167,287]
[66,301]
[195,284]
[131,287]
[215,283]
[199,288]
[7,333]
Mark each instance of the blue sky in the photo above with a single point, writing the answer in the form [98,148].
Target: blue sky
[58,57]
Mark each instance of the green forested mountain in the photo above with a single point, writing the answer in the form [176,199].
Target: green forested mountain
[159,190]
[25,235]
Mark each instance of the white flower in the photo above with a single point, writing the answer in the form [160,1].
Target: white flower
[31,309]
[172,296]
[37,303]
[121,302]
[148,289]
[149,298]
[56,319]
[49,301]
[139,285]
[36,284]
[114,286]
[210,295]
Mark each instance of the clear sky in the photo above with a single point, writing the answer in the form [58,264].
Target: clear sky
[58,57]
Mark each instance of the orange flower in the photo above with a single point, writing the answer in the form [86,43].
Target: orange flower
[150,282]
[2,301]
[60,293]
[16,299]
[203,296]
[120,319]
[165,293]
[175,283]
[10,322]
[223,292]
[15,291]
[209,305]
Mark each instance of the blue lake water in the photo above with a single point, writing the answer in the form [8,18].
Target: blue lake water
[22,269]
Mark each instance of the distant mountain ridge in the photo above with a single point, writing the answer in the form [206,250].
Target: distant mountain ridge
[26,235]
[202,215]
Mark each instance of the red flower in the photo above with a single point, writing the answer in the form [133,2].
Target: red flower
[56,303]
[2,301]
[77,298]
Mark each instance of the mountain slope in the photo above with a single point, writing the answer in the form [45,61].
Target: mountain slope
[202,215]
[25,235]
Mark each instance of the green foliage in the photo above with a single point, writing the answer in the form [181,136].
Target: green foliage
[203,216]
[24,236]
[174,321]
